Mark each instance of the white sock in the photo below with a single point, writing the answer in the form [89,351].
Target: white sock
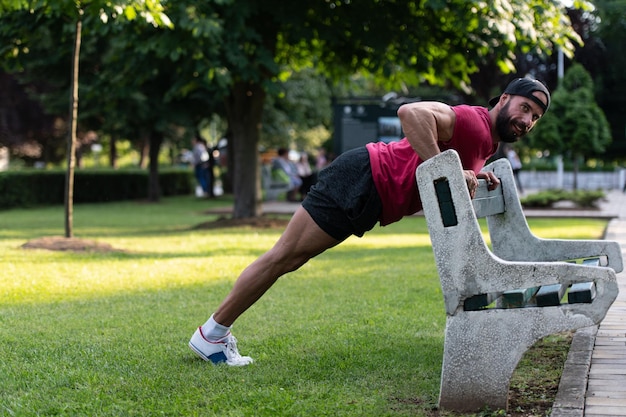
[212,330]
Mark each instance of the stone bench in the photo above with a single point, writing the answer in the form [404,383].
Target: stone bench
[501,299]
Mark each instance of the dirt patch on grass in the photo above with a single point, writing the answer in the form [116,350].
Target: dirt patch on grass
[535,382]
[60,243]
[261,222]
[72,244]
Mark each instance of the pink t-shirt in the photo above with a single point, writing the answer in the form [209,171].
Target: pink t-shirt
[394,164]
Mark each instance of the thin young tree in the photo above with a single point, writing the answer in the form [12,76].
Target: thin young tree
[151,11]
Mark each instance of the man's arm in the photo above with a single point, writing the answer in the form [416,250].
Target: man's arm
[426,122]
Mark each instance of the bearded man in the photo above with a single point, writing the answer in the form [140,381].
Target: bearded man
[375,184]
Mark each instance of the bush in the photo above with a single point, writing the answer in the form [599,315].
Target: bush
[546,198]
[587,198]
[33,188]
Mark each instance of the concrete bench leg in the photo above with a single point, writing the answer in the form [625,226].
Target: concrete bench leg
[482,350]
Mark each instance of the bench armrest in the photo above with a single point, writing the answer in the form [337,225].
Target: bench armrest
[511,238]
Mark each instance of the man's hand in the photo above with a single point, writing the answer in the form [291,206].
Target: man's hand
[472,180]
[492,181]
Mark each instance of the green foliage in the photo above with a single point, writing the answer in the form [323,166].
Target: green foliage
[109,93]
[225,56]
[301,104]
[607,64]
[218,43]
[547,198]
[541,199]
[35,188]
[405,43]
[574,124]
[151,11]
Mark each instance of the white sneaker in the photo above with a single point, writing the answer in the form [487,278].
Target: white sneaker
[222,350]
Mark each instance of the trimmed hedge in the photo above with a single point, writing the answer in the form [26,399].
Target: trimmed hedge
[546,198]
[34,188]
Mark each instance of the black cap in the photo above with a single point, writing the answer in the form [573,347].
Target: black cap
[525,87]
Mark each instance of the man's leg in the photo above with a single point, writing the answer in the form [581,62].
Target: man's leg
[302,240]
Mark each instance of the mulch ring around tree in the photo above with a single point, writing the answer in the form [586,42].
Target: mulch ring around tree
[261,222]
[71,244]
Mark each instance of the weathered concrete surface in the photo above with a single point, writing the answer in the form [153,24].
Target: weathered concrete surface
[482,348]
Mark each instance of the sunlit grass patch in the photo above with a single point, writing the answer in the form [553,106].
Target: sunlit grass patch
[357,331]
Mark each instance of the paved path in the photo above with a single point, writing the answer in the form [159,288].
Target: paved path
[606,387]
[594,379]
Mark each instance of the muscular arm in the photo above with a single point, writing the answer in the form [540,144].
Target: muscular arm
[424,123]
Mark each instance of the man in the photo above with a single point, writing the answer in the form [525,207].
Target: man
[200,154]
[374,184]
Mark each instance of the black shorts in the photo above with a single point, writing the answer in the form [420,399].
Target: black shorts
[344,200]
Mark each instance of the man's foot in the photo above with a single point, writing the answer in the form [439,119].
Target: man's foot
[223,350]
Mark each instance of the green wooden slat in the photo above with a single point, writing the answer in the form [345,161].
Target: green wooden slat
[583,292]
[550,295]
[592,262]
[478,302]
[518,298]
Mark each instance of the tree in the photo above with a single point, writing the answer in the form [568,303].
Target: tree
[74,10]
[574,125]
[237,52]
[160,78]
[609,70]
[300,104]
[397,42]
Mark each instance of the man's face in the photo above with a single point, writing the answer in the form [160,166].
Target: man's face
[517,117]
[503,125]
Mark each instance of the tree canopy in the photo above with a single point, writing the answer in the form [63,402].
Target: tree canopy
[74,11]
[398,42]
[574,125]
[228,55]
[609,68]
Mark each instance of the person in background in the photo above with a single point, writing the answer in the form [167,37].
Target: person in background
[283,163]
[306,174]
[516,165]
[321,160]
[201,164]
[211,163]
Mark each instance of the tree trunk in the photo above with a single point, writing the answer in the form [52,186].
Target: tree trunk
[154,190]
[227,178]
[244,108]
[113,152]
[143,148]
[71,141]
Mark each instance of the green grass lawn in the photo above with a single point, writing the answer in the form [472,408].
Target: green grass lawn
[356,332]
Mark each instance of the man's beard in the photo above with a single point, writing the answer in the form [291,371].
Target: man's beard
[503,126]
